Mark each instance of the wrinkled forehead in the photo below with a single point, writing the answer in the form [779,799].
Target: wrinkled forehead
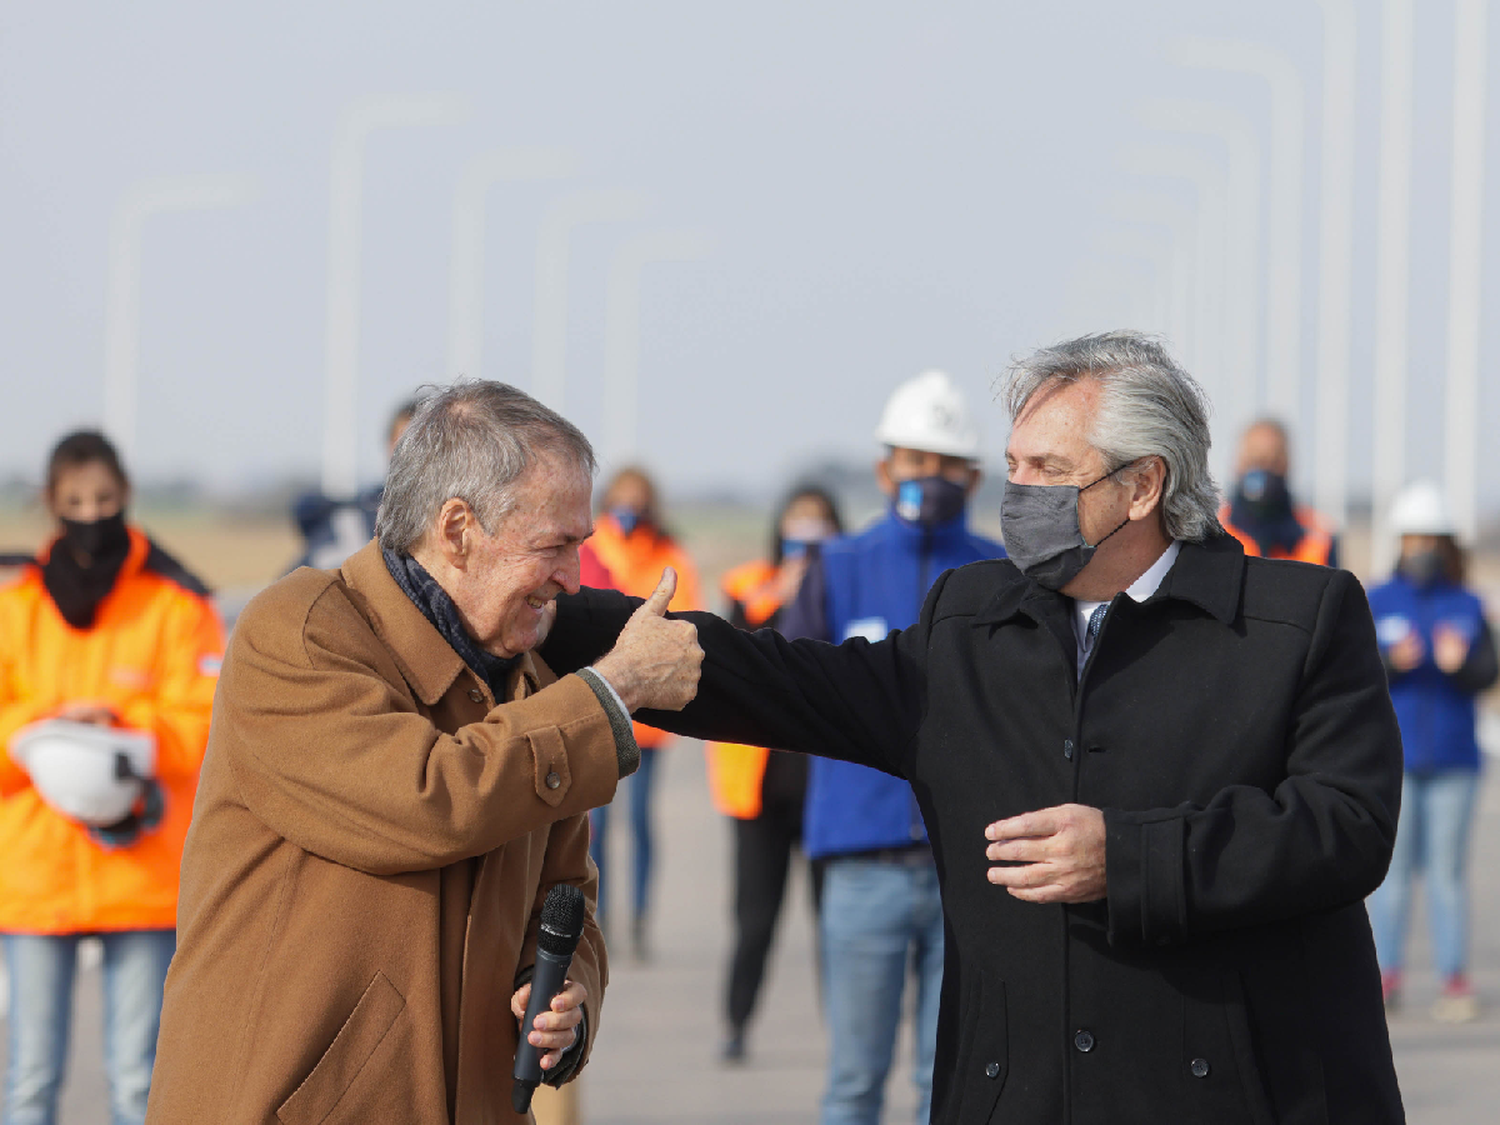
[1055,425]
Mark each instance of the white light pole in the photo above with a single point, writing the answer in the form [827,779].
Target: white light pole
[122,299]
[1241,368]
[1284,218]
[1166,214]
[1133,245]
[1392,273]
[1464,268]
[549,338]
[346,192]
[1335,261]
[622,328]
[466,263]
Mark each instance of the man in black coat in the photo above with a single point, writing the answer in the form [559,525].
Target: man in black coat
[1159,777]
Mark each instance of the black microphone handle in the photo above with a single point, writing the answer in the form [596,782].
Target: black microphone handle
[547,980]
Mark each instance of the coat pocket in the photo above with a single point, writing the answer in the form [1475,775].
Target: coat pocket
[983,1052]
[341,1065]
[1219,1072]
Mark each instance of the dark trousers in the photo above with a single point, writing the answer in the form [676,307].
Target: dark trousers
[762,858]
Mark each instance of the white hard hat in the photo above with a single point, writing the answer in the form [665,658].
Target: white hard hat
[1422,509]
[929,413]
[90,774]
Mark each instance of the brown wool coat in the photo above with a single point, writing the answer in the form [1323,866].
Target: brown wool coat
[371,844]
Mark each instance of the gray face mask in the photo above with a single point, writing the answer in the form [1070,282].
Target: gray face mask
[1040,525]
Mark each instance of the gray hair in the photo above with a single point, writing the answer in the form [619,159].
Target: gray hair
[471,441]
[1148,407]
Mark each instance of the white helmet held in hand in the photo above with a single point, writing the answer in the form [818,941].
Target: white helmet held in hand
[929,413]
[1422,509]
[90,774]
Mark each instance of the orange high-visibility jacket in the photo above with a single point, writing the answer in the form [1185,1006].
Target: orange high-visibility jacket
[1314,547]
[737,772]
[635,563]
[152,656]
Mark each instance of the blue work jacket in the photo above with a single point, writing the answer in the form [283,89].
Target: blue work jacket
[865,585]
[1435,709]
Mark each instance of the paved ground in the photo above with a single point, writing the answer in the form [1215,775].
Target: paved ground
[656,1062]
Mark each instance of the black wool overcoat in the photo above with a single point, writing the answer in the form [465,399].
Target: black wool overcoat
[1236,730]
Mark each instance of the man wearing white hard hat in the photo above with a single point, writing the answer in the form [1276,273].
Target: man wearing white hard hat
[1439,655]
[880,908]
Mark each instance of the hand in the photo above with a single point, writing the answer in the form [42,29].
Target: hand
[82,711]
[557,1028]
[1450,648]
[1061,848]
[655,662]
[1407,653]
[789,577]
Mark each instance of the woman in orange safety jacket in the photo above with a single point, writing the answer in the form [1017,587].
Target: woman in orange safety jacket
[634,545]
[102,628]
[762,791]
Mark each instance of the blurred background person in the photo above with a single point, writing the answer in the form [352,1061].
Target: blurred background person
[1439,655]
[109,654]
[763,791]
[880,909]
[333,528]
[632,543]
[1261,513]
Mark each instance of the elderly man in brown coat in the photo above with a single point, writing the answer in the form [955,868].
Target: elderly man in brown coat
[393,783]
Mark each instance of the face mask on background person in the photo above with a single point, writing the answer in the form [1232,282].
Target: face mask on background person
[1423,568]
[93,538]
[1039,523]
[930,501]
[628,519]
[1265,493]
[802,534]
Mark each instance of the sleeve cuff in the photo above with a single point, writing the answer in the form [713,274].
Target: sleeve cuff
[627,753]
[1143,863]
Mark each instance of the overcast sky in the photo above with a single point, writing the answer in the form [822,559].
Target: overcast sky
[887,186]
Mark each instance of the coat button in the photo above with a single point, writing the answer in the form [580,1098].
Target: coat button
[1068,749]
[553,781]
[476,695]
[1199,1067]
[1084,1041]
[992,1071]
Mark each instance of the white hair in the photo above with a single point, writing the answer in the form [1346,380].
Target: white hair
[1148,407]
[471,441]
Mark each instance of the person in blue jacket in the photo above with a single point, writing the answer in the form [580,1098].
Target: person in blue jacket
[1439,654]
[880,909]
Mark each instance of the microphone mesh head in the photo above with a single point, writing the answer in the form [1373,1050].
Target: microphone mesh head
[562,920]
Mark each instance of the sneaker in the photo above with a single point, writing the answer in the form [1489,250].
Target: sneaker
[1390,988]
[1457,1004]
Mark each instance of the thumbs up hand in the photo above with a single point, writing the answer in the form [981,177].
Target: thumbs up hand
[655,661]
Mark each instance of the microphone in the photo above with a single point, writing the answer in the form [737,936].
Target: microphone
[562,926]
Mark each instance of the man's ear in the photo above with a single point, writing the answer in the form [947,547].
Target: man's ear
[455,528]
[883,477]
[1149,484]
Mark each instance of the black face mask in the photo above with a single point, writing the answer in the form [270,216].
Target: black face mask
[1265,494]
[1039,523]
[930,501]
[1423,568]
[96,538]
[83,564]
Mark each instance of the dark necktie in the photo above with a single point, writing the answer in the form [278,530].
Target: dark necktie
[1096,622]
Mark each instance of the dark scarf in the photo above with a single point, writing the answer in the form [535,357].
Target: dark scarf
[77,590]
[438,608]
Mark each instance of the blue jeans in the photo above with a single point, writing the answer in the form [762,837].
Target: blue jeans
[41,969]
[877,918]
[641,784]
[1432,837]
